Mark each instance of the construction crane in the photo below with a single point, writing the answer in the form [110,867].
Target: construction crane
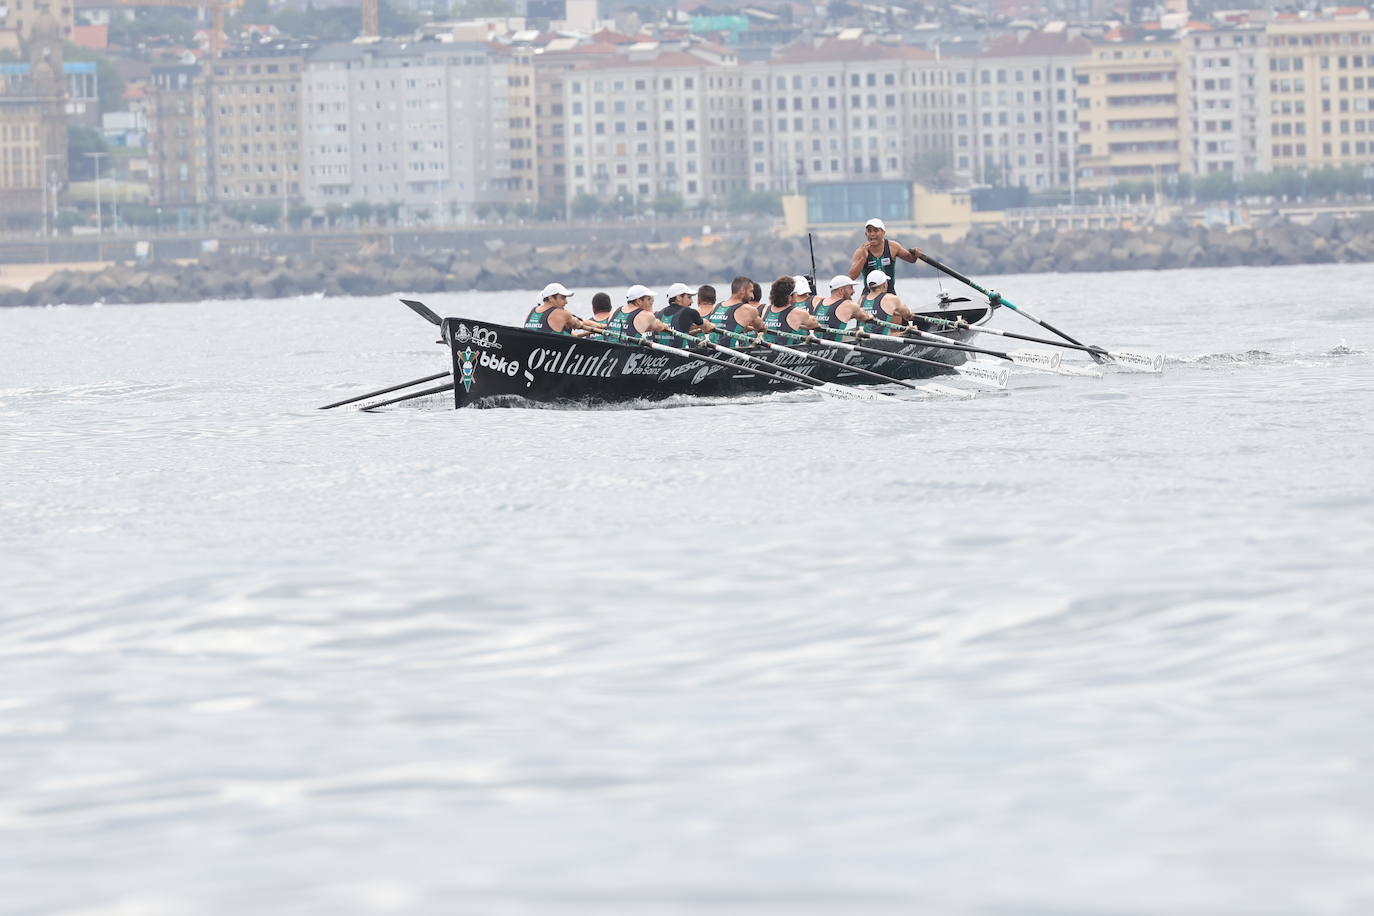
[216,8]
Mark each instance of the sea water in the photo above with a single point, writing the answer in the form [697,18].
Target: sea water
[1082,646]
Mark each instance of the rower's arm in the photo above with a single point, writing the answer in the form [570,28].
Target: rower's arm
[654,326]
[901,252]
[806,322]
[857,265]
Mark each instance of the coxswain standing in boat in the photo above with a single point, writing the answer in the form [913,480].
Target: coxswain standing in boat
[634,319]
[784,318]
[834,312]
[880,253]
[737,314]
[882,304]
[681,316]
[551,314]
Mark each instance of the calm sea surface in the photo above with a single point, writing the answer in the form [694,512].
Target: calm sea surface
[1081,647]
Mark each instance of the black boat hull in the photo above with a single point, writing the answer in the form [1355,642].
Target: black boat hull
[498,365]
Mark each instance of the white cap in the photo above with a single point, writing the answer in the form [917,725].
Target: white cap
[840,281]
[876,224]
[677,289]
[875,277]
[637,292]
[803,287]
[554,289]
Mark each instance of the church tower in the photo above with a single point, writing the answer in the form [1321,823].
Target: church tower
[50,92]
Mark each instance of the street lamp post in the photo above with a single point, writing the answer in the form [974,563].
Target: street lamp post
[99,214]
[50,187]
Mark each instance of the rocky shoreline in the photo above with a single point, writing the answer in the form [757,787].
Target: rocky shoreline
[986,250]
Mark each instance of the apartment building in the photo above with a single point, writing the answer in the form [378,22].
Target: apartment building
[1321,89]
[1015,110]
[423,124]
[178,135]
[1227,101]
[650,120]
[845,108]
[1131,95]
[255,107]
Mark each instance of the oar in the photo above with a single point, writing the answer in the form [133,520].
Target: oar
[823,387]
[373,394]
[995,377]
[834,362]
[409,397]
[1149,362]
[927,388]
[995,299]
[424,312]
[800,380]
[933,340]
[1046,361]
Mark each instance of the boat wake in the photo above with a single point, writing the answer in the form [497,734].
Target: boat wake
[1266,358]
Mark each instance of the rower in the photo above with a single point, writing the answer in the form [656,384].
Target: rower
[635,319]
[834,312]
[784,320]
[706,299]
[882,304]
[737,314]
[601,307]
[552,315]
[680,315]
[880,253]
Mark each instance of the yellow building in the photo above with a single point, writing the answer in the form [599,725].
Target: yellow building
[1131,97]
[1321,90]
[33,131]
[524,154]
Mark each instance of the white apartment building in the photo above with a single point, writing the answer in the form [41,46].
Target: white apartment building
[1228,103]
[1015,120]
[426,124]
[652,121]
[847,108]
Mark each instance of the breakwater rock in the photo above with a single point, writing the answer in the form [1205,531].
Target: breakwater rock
[984,251]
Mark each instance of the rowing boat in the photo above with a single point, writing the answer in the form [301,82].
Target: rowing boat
[498,365]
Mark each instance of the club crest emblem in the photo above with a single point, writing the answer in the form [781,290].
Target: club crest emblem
[465,367]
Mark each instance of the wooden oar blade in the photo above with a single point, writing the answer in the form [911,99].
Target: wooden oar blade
[423,311]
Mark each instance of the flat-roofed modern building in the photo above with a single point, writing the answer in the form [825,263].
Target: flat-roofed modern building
[851,107]
[423,124]
[1016,113]
[1228,100]
[653,120]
